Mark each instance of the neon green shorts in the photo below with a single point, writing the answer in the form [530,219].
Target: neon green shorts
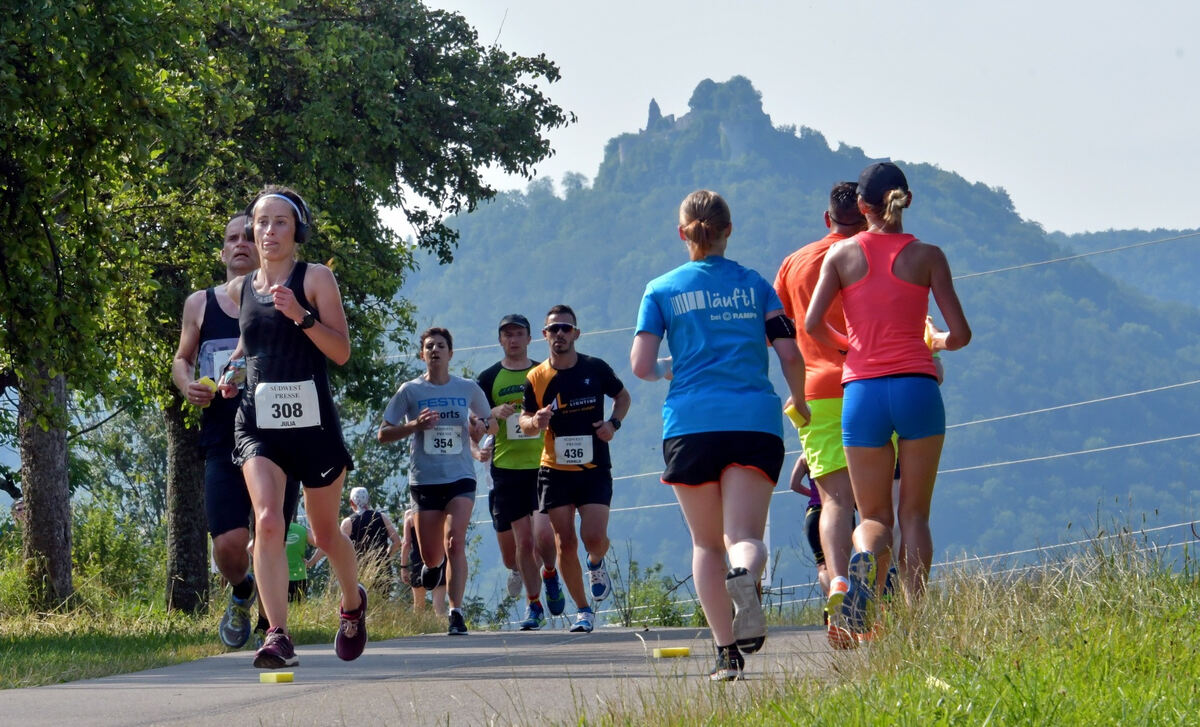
[822,438]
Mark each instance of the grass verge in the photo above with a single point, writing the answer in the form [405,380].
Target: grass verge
[1112,638]
[95,641]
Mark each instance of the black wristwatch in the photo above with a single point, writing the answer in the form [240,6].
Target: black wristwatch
[308,321]
[615,422]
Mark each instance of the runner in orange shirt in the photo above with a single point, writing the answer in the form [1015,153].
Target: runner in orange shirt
[822,438]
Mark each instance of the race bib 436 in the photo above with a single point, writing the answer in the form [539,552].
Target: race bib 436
[573,450]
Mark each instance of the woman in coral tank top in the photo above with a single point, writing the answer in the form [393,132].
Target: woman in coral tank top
[885,277]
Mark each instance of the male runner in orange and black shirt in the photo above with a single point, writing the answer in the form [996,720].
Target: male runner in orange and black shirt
[564,397]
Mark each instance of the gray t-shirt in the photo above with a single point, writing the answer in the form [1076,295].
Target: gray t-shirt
[443,454]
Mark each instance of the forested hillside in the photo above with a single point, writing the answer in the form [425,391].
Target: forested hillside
[1155,263]
[1045,336]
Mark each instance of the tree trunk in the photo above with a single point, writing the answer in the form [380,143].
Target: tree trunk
[47,547]
[187,525]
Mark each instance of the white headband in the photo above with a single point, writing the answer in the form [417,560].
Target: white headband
[299,217]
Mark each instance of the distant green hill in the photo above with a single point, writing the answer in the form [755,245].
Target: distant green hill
[1044,335]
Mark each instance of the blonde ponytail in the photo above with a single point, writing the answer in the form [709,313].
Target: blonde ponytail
[894,203]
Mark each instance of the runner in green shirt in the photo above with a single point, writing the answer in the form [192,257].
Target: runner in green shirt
[297,541]
[524,534]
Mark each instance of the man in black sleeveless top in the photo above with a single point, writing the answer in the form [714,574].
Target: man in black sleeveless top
[208,335]
[374,536]
[372,532]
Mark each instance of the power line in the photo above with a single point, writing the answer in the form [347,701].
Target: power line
[1074,404]
[1068,454]
[1077,257]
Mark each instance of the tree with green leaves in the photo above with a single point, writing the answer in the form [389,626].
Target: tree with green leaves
[91,95]
[130,130]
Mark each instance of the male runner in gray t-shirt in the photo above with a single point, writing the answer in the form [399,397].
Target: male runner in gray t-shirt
[435,409]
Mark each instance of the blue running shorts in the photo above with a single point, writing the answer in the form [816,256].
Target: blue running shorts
[908,404]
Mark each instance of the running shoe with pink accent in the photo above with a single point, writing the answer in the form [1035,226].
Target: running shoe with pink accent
[351,637]
[277,651]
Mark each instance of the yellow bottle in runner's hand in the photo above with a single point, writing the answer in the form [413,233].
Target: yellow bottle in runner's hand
[207,381]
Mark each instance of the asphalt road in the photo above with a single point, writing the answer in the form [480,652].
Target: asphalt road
[484,678]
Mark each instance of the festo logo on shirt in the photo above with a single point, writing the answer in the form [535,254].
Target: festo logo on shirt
[438,402]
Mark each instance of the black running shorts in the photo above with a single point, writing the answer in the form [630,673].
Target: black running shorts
[514,495]
[437,497]
[701,458]
[314,456]
[557,488]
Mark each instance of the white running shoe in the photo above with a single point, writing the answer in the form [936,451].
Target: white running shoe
[601,583]
[584,622]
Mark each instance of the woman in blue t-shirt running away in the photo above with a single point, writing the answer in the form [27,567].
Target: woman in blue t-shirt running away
[722,421]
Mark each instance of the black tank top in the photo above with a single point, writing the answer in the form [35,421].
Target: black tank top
[218,337]
[369,533]
[278,351]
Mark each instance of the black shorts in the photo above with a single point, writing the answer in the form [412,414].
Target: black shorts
[812,530]
[514,495]
[701,458]
[314,456]
[226,499]
[437,497]
[574,487]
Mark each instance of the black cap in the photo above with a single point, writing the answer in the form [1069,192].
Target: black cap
[514,319]
[878,179]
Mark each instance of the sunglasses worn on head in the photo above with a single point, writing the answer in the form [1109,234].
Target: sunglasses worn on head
[559,328]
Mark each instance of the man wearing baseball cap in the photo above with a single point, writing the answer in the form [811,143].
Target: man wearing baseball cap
[524,534]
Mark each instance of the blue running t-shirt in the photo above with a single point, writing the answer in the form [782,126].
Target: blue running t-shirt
[713,312]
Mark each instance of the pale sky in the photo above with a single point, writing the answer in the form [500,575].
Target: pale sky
[1085,112]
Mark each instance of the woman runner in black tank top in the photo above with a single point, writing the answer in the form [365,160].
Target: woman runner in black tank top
[286,376]
[291,320]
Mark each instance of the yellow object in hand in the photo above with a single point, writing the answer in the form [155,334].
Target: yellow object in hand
[794,415]
[207,381]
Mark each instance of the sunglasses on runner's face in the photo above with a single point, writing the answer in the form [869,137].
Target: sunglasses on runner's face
[558,328]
